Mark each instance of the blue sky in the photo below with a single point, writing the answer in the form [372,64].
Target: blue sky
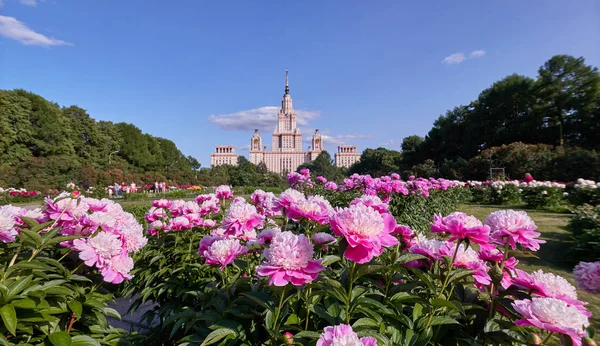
[364,72]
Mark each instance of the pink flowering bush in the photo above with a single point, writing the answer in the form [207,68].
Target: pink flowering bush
[57,260]
[350,266]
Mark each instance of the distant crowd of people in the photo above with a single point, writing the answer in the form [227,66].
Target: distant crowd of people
[123,188]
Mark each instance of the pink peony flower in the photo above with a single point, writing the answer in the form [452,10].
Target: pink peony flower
[98,250]
[587,276]
[180,223]
[462,226]
[553,315]
[330,185]
[223,251]
[242,217]
[155,227]
[321,179]
[324,239]
[549,285]
[429,248]
[118,269]
[9,217]
[290,260]
[366,231]
[223,192]
[266,235]
[406,234]
[162,203]
[373,202]
[287,198]
[468,258]
[343,335]
[309,209]
[155,214]
[516,227]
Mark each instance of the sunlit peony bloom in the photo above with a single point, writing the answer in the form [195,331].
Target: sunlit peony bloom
[208,223]
[287,198]
[242,217]
[309,209]
[549,285]
[118,269]
[366,231]
[321,179]
[496,256]
[9,217]
[266,235]
[65,208]
[180,223]
[461,226]
[289,260]
[371,201]
[330,185]
[324,239]
[223,251]
[176,207]
[155,214]
[406,234]
[468,258]
[343,335]
[553,315]
[162,203]
[98,250]
[516,227]
[587,276]
[155,227]
[223,192]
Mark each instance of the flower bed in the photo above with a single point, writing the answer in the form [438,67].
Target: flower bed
[329,265]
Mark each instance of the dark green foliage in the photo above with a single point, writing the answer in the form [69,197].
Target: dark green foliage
[377,162]
[324,166]
[542,197]
[585,226]
[44,146]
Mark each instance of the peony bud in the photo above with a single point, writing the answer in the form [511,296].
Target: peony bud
[75,194]
[288,338]
[496,275]
[534,339]
[587,341]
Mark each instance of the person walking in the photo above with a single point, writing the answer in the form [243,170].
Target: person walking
[164,187]
[116,188]
[156,190]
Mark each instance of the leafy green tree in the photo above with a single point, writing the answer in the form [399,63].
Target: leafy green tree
[323,166]
[377,162]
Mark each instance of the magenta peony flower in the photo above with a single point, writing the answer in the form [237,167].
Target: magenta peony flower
[553,315]
[223,251]
[406,234]
[162,203]
[587,276]
[330,185]
[290,260]
[98,250]
[373,202]
[287,198]
[343,335]
[321,179]
[223,192]
[462,226]
[180,223]
[118,269]
[366,231]
[312,209]
[516,227]
[241,218]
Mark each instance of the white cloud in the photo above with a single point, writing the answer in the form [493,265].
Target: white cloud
[12,28]
[263,118]
[329,139]
[477,53]
[31,3]
[455,58]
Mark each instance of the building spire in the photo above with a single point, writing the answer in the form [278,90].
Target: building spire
[287,86]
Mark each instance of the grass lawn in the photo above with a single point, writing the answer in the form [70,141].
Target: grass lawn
[552,254]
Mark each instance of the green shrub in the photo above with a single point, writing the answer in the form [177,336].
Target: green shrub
[509,194]
[585,227]
[542,197]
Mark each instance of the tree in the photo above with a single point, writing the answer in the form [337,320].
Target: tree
[323,166]
[569,94]
[377,162]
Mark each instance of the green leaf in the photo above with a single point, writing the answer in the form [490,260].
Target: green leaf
[84,340]
[369,269]
[60,339]
[329,260]
[9,317]
[306,334]
[217,335]
[441,320]
[61,239]
[76,307]
[18,286]
[438,303]
[31,236]
[409,258]
[29,221]
[261,299]
[292,319]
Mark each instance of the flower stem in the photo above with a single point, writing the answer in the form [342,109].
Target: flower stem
[349,295]
[306,297]
[450,266]
[276,320]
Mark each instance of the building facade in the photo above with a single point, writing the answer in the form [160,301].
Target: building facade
[286,149]
[346,156]
[224,155]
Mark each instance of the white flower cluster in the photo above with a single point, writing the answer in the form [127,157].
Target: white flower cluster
[536,183]
[586,184]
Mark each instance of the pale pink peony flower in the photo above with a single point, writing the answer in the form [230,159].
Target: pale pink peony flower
[240,218]
[287,198]
[206,242]
[366,231]
[549,285]
[9,218]
[587,276]
[176,207]
[428,248]
[155,227]
[516,227]
[99,249]
[324,239]
[209,206]
[239,199]
[343,335]
[308,209]
[553,315]
[290,260]
[155,214]
[118,269]
[223,192]
[461,226]
[66,208]
[162,203]
[223,251]
[371,201]
[208,223]
[180,223]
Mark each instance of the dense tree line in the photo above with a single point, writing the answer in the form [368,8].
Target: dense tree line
[559,109]
[44,146]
